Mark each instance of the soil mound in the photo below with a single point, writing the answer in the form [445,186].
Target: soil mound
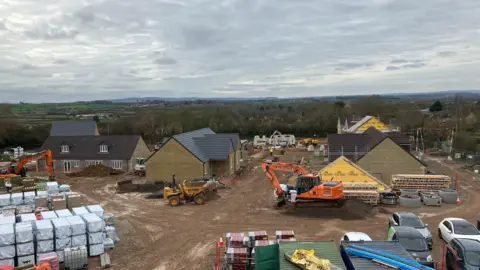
[352,209]
[98,170]
[358,208]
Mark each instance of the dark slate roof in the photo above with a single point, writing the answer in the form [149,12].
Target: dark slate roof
[233,136]
[186,139]
[88,147]
[351,146]
[391,247]
[214,147]
[362,142]
[73,128]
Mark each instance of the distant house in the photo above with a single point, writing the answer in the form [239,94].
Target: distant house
[74,153]
[380,154]
[195,154]
[74,128]
[359,126]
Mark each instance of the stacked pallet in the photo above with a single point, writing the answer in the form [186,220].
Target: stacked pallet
[420,181]
[63,234]
[24,243]
[45,237]
[7,245]
[366,192]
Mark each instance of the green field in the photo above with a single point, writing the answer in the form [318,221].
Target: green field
[71,108]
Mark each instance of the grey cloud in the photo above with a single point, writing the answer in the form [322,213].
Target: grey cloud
[446,54]
[301,48]
[165,61]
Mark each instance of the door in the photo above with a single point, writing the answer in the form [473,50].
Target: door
[446,231]
[67,166]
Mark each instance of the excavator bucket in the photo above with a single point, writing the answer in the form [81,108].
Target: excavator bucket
[281,202]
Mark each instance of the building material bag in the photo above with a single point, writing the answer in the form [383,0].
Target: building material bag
[48,215]
[8,262]
[7,252]
[41,202]
[44,246]
[26,260]
[16,198]
[44,230]
[7,235]
[79,240]
[25,249]
[63,213]
[95,250]
[52,187]
[24,232]
[29,197]
[4,199]
[77,224]
[76,258]
[64,188]
[96,209]
[61,244]
[95,238]
[50,258]
[79,211]
[62,228]
[94,223]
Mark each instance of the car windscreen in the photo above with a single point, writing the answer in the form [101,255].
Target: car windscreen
[413,222]
[465,229]
[472,257]
[413,243]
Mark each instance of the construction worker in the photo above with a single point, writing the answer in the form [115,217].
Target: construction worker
[173,181]
[8,186]
[271,151]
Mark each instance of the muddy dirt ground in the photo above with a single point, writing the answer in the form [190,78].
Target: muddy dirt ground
[156,236]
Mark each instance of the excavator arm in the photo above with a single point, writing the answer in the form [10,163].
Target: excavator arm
[269,172]
[286,167]
[47,154]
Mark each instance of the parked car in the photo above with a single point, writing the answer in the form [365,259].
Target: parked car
[355,236]
[463,254]
[414,242]
[409,219]
[451,228]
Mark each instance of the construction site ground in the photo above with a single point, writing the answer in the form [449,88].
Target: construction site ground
[156,236]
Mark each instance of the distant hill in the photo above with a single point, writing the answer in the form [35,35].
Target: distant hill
[418,96]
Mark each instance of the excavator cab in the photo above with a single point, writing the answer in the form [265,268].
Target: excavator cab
[307,182]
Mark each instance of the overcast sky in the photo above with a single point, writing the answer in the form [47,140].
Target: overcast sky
[65,50]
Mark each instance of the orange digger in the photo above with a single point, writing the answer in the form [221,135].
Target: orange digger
[19,169]
[309,189]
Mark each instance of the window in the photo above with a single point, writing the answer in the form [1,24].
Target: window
[116,164]
[98,162]
[414,222]
[447,225]
[65,148]
[76,163]
[103,148]
[465,228]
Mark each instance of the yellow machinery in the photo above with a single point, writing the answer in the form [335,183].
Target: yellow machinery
[183,192]
[310,141]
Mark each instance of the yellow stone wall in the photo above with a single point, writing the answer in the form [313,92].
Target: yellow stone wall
[373,122]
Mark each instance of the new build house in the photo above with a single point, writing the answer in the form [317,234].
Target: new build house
[379,153]
[195,154]
[74,153]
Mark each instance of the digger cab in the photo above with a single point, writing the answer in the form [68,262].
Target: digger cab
[306,182]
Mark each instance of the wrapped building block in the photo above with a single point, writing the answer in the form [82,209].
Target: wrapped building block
[25,209]
[95,238]
[8,262]
[44,246]
[24,232]
[79,240]
[28,218]
[62,228]
[29,197]
[61,244]
[48,215]
[25,249]
[16,198]
[4,199]
[63,213]
[96,250]
[7,219]
[52,187]
[44,229]
[78,211]
[7,235]
[94,223]
[96,209]
[77,224]
[7,252]
[26,260]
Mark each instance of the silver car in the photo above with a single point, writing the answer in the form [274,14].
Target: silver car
[409,219]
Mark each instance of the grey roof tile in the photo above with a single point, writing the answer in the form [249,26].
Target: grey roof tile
[120,147]
[233,136]
[186,139]
[73,128]
[214,147]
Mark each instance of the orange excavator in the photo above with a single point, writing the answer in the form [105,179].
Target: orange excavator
[309,189]
[19,167]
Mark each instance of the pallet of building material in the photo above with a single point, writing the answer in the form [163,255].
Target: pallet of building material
[367,196]
[28,184]
[360,186]
[74,200]
[41,186]
[59,204]
[420,181]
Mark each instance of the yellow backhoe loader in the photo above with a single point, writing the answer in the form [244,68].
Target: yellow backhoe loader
[185,193]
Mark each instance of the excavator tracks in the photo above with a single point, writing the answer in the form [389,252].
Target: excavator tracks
[302,203]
